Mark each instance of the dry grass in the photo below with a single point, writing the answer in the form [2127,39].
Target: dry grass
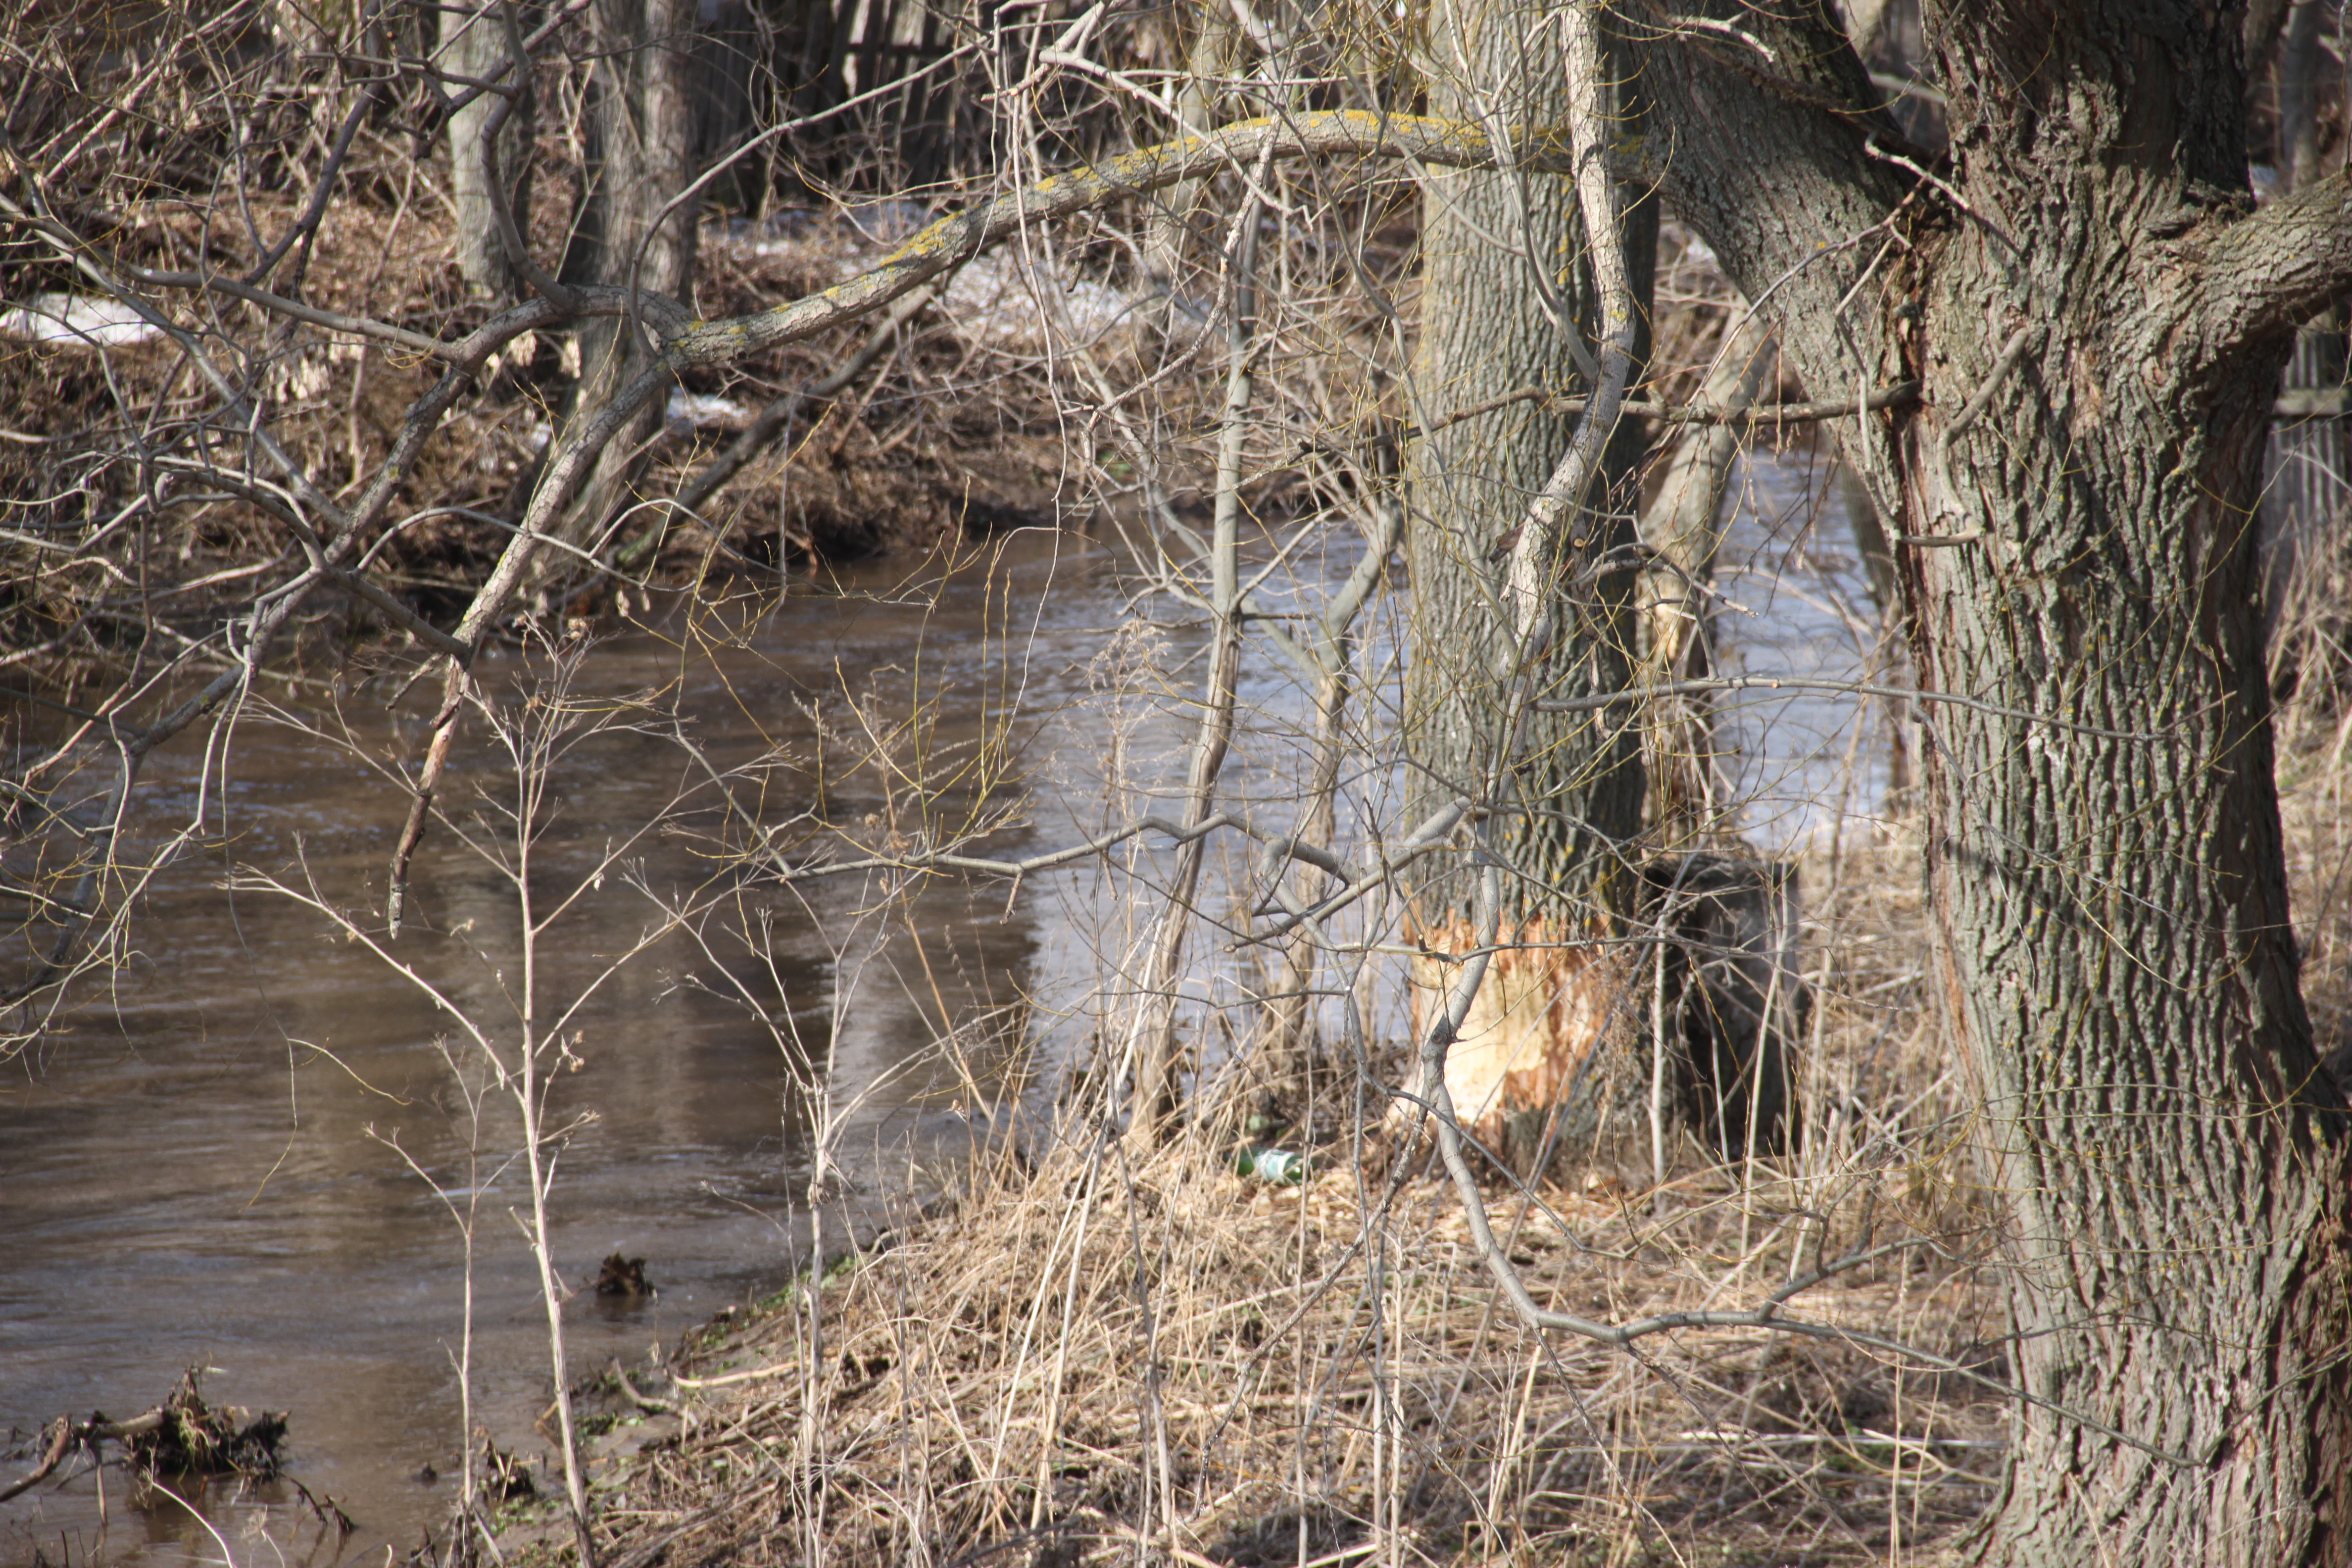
[1097,1358]
[2309,662]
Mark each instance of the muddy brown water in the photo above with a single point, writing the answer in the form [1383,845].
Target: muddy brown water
[211,1165]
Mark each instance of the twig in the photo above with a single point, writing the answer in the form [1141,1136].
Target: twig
[1847,687]
[771,420]
[556,485]
[1942,452]
[630,1391]
[334,321]
[1712,25]
[1529,578]
[72,1435]
[1900,394]
[501,206]
[329,173]
[539,35]
[2011,352]
[277,506]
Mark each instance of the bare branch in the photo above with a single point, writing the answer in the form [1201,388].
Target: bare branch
[518,250]
[1842,688]
[2272,272]
[772,419]
[1901,395]
[277,506]
[1335,133]
[1536,542]
[334,321]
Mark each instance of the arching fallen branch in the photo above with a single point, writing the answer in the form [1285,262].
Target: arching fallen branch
[1330,134]
[945,244]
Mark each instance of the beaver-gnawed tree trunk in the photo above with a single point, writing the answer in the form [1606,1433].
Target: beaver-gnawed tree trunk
[1493,243]
[2096,313]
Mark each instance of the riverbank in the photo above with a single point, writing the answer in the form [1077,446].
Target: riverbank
[1097,1357]
[1162,1362]
[1104,1355]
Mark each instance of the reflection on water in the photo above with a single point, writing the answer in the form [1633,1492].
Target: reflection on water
[1802,763]
[211,1166]
[218,1164]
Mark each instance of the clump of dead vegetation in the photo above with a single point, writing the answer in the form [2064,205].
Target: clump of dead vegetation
[181,1439]
[942,433]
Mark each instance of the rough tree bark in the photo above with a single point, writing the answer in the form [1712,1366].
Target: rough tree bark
[1507,302]
[637,232]
[474,44]
[2098,314]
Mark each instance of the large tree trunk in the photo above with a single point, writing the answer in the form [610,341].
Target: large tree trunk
[1494,245]
[474,43]
[644,128]
[2098,334]
[2116,951]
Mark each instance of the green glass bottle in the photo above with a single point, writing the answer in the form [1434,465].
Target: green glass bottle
[1276,1167]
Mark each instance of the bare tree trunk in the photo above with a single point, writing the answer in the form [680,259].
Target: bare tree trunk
[643,234]
[474,43]
[2113,929]
[2112,911]
[2299,61]
[1214,53]
[1153,1101]
[2261,33]
[1506,301]
[1683,526]
[2107,882]
[1289,1031]
[1864,21]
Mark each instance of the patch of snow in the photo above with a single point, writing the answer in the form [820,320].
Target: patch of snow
[695,411]
[1006,299]
[853,236]
[76,319]
[849,233]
